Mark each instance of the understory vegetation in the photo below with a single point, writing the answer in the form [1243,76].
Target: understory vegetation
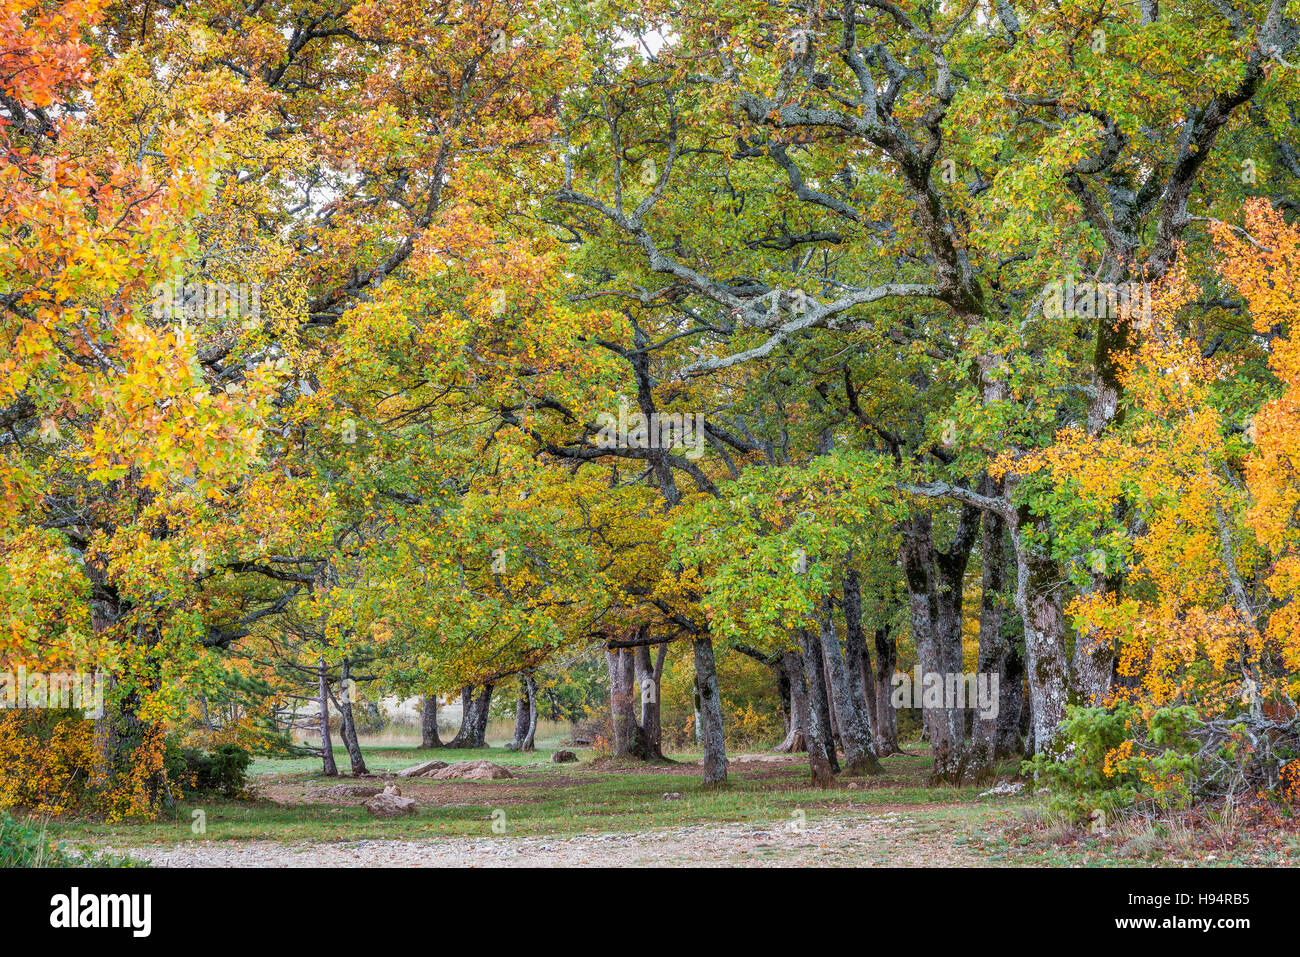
[904,393]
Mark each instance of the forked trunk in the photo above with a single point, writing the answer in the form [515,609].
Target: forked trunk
[649,674]
[473,725]
[855,724]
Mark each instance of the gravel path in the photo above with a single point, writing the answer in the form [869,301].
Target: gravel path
[879,840]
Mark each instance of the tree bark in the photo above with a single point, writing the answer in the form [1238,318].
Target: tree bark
[1039,603]
[621,668]
[886,726]
[850,705]
[530,686]
[1012,695]
[995,646]
[522,714]
[710,710]
[792,681]
[934,583]
[857,656]
[822,762]
[348,727]
[429,722]
[649,674]
[473,725]
[330,769]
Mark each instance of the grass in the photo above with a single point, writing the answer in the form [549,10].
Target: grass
[598,795]
[547,799]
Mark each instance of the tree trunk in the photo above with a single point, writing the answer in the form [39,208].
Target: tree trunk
[429,722]
[473,725]
[710,709]
[886,726]
[995,646]
[796,735]
[934,582]
[811,674]
[1039,603]
[348,727]
[855,723]
[648,677]
[523,714]
[857,656]
[621,667]
[832,700]
[1011,704]
[330,769]
[530,686]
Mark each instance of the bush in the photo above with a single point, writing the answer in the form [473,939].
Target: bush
[47,760]
[1112,761]
[223,769]
[21,845]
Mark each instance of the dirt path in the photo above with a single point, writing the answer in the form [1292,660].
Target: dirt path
[890,839]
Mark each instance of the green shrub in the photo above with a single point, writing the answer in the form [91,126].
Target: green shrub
[1111,761]
[21,845]
[223,770]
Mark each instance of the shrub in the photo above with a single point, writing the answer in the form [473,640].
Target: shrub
[47,760]
[1112,761]
[223,769]
[21,845]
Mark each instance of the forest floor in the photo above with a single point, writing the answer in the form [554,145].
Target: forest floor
[604,813]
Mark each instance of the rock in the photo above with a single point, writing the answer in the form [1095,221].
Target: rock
[390,803]
[351,791]
[392,789]
[472,771]
[1005,787]
[560,757]
[673,796]
[422,770]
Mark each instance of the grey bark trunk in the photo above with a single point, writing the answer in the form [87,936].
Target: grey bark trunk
[792,680]
[710,710]
[935,585]
[995,645]
[473,725]
[530,685]
[886,726]
[348,727]
[330,769]
[857,656]
[429,722]
[649,675]
[1039,603]
[622,707]
[850,705]
[525,714]
[811,674]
